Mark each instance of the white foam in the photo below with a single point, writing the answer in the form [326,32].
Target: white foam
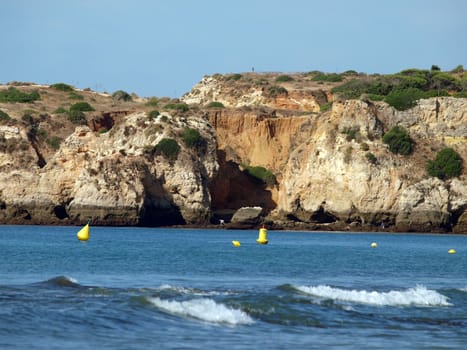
[418,296]
[71,279]
[203,309]
[191,291]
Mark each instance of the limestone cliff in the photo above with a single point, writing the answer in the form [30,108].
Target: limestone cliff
[55,170]
[114,177]
[326,179]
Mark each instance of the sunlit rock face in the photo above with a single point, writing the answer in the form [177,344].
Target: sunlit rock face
[330,169]
[115,178]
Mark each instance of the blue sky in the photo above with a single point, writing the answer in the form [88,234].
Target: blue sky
[162,48]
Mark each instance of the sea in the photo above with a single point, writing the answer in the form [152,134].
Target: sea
[158,288]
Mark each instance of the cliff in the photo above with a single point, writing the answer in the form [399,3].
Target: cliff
[107,166]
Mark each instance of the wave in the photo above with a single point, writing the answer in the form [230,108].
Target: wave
[190,291]
[61,281]
[203,309]
[418,296]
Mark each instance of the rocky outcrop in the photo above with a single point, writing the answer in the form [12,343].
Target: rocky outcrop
[115,178]
[246,217]
[211,89]
[326,179]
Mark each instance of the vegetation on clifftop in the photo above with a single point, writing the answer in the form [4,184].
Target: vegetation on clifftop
[403,89]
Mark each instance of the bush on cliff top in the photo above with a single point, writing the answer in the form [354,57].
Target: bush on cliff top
[14,95]
[403,89]
[284,78]
[82,107]
[62,87]
[121,95]
[177,106]
[447,164]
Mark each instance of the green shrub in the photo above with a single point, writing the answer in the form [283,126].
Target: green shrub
[54,142]
[458,69]
[153,114]
[75,96]
[434,67]
[447,164]
[353,89]
[215,104]
[27,118]
[404,99]
[260,174]
[14,95]
[234,77]
[329,77]
[274,91]
[62,87]
[81,107]
[325,107]
[152,102]
[348,154]
[178,106]
[371,158]
[352,133]
[41,134]
[442,80]
[375,97]
[364,146]
[399,141]
[169,148]
[4,116]
[121,95]
[60,110]
[76,117]
[191,137]
[284,78]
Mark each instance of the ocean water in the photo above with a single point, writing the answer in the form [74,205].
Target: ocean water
[146,288]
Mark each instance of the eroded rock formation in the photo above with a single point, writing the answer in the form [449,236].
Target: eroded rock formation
[109,170]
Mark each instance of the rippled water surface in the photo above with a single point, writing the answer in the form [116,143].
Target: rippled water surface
[140,288]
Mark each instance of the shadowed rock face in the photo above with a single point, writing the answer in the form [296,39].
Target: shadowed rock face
[109,170]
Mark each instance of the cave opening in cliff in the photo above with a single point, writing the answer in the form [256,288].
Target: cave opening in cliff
[156,216]
[321,216]
[60,212]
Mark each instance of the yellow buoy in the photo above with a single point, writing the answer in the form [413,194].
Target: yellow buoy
[83,234]
[236,243]
[263,236]
[374,245]
[452,251]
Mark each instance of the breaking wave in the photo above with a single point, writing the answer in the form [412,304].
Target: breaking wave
[418,296]
[203,309]
[60,281]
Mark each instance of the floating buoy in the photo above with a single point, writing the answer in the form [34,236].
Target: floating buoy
[236,243]
[83,234]
[263,236]
[452,251]
[374,245]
